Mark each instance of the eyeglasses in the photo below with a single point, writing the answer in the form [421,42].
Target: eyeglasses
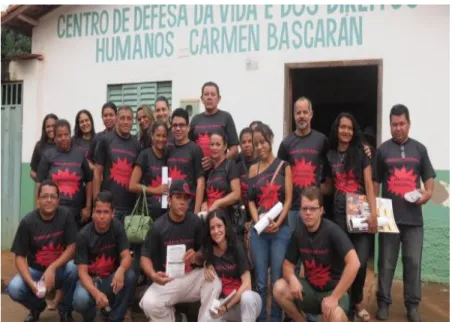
[50,196]
[310,209]
[179,125]
[402,151]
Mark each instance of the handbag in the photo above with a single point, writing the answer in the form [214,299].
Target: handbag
[138,223]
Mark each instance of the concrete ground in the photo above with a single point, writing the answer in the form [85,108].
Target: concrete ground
[434,306]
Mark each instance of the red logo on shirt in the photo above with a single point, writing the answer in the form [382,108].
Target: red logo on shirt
[204,143]
[176,174]
[48,254]
[68,182]
[269,195]
[402,181]
[244,189]
[303,173]
[156,183]
[212,195]
[102,266]
[318,276]
[121,171]
[346,182]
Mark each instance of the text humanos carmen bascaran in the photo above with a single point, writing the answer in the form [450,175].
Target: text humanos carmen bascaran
[159,31]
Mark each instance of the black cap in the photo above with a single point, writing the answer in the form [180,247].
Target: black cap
[181,186]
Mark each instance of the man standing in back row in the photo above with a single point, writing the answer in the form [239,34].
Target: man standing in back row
[401,163]
[204,124]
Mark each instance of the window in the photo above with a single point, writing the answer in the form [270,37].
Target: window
[135,95]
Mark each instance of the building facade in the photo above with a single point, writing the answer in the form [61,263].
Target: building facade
[363,58]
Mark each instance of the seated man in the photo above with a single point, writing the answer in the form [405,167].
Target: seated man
[103,260]
[329,261]
[44,246]
[177,227]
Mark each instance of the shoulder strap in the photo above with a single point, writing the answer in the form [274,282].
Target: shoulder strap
[277,171]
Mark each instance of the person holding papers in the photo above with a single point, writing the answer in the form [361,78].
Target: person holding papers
[148,170]
[270,182]
[225,257]
[169,257]
[352,173]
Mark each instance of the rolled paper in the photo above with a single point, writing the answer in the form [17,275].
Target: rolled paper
[165,180]
[360,224]
[264,221]
[41,289]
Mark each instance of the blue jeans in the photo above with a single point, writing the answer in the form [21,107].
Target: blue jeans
[294,219]
[85,304]
[269,250]
[65,279]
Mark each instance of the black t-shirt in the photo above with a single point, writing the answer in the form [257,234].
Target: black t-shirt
[82,144]
[70,171]
[42,242]
[151,167]
[264,194]
[101,251]
[117,155]
[185,162]
[307,156]
[230,267]
[244,168]
[202,125]
[170,139]
[322,254]
[218,184]
[166,232]
[401,174]
[38,152]
[351,181]
[93,144]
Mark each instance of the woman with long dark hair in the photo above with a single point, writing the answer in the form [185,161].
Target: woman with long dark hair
[45,142]
[223,183]
[84,132]
[270,183]
[145,118]
[352,173]
[225,256]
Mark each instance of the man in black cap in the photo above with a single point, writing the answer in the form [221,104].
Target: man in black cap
[177,228]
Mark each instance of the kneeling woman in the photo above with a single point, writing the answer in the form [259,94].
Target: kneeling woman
[226,258]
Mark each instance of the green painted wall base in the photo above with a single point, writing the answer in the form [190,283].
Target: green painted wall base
[436,254]
[27,188]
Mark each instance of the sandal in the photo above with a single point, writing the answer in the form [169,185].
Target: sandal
[363,315]
[52,306]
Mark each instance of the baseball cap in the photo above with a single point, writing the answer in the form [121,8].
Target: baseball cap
[181,186]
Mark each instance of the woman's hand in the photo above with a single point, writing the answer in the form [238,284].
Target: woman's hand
[209,273]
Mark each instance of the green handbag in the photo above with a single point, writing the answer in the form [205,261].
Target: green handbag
[138,223]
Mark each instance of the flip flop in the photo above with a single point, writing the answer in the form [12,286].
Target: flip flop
[363,315]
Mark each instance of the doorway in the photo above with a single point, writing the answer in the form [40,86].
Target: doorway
[333,87]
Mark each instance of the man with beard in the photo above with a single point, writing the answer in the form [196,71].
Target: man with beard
[177,227]
[306,151]
[401,163]
[103,259]
[44,246]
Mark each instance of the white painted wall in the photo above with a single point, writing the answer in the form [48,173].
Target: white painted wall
[413,43]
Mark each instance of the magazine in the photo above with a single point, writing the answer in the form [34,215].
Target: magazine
[357,210]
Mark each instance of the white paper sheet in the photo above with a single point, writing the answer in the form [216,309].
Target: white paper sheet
[165,180]
[175,265]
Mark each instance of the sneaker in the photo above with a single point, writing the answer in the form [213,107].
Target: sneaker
[413,315]
[383,312]
[32,317]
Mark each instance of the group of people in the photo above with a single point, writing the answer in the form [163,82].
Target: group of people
[87,183]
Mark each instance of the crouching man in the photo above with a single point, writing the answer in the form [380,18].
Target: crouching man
[44,246]
[103,259]
[329,261]
[177,227]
